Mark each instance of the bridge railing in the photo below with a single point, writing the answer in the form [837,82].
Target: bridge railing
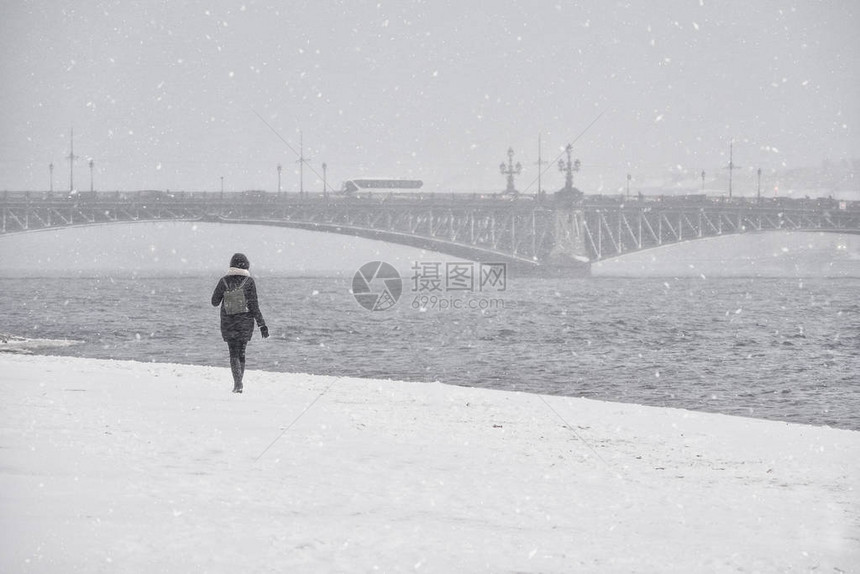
[249,197]
[259,196]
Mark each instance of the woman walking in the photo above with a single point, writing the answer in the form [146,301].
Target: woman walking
[237,295]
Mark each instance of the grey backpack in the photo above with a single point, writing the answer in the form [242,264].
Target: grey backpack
[234,299]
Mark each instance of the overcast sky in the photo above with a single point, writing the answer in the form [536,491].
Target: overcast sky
[166,95]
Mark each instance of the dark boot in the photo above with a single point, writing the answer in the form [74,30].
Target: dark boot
[237,368]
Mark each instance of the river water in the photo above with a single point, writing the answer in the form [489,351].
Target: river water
[782,349]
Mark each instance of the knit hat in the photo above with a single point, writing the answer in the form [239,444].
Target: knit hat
[239,261]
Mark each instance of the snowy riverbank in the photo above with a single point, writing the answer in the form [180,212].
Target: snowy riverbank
[109,466]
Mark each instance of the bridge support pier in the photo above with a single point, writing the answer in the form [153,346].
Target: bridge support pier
[569,256]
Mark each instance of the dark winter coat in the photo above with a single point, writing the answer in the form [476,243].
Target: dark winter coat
[238,327]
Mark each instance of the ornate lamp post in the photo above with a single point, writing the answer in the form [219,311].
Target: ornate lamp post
[92,187]
[510,170]
[51,170]
[279,178]
[568,168]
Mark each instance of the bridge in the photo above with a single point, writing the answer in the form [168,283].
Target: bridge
[561,233]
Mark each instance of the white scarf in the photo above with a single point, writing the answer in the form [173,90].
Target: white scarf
[237,271]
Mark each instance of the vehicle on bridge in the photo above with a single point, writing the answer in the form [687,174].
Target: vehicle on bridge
[352,186]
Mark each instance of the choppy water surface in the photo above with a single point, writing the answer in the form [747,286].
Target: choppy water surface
[783,349]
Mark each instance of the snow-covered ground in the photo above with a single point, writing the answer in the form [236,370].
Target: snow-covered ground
[110,466]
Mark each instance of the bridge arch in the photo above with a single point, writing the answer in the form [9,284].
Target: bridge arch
[529,233]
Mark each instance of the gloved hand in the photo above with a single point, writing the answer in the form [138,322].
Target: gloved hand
[264,331]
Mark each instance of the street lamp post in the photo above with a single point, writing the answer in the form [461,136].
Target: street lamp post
[72,158]
[731,167]
[540,163]
[510,170]
[92,187]
[279,178]
[301,161]
[325,186]
[629,177]
[51,170]
[758,193]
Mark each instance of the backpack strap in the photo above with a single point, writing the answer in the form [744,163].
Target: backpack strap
[240,286]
